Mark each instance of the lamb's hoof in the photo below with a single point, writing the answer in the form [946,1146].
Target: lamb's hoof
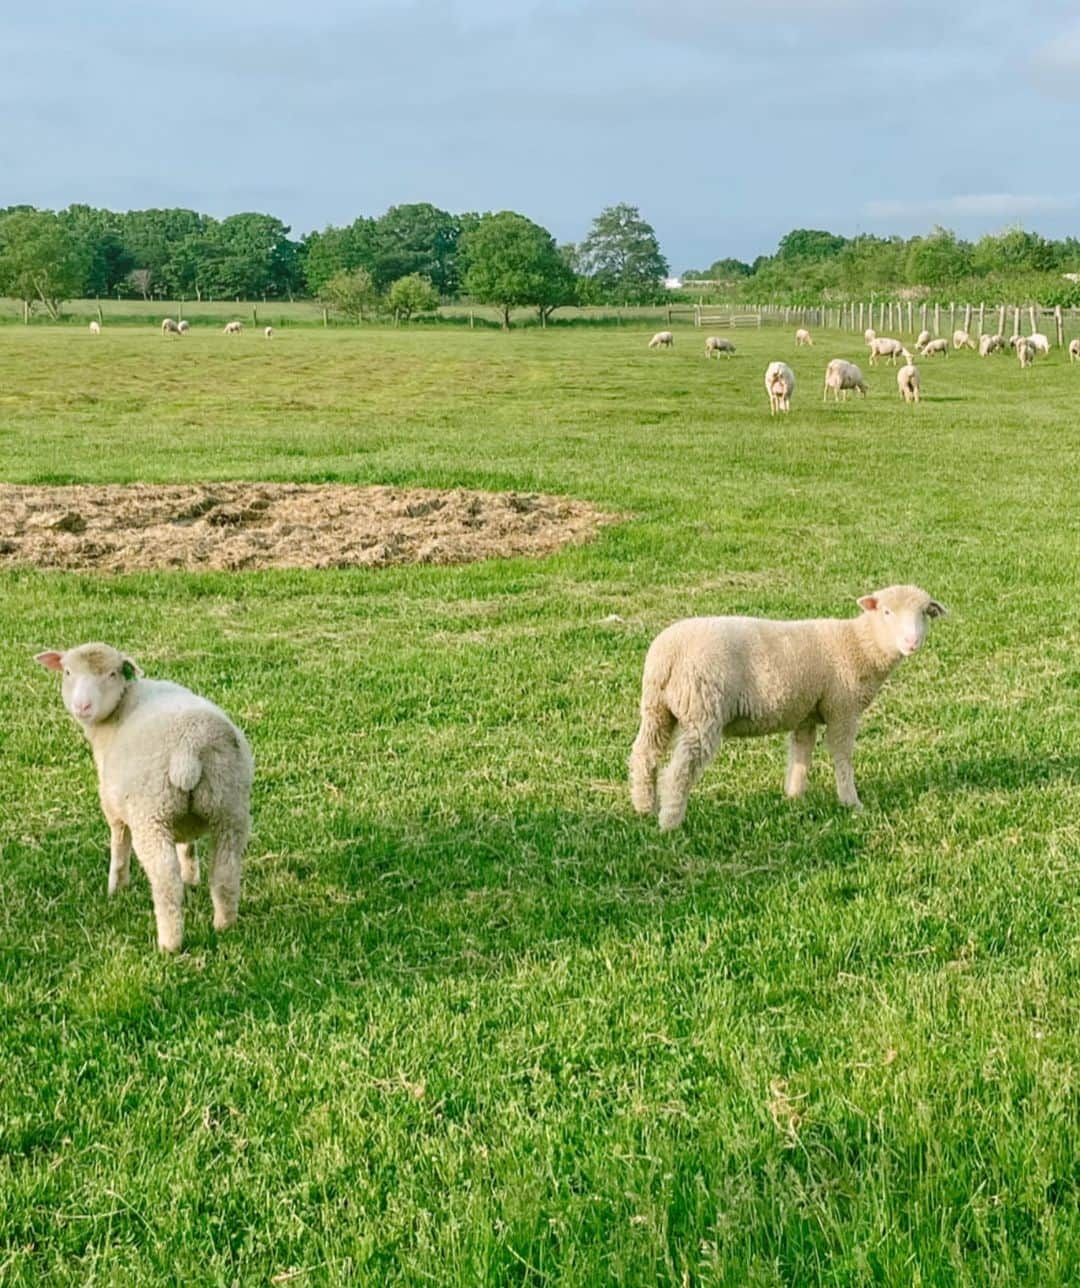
[117,883]
[224,923]
[669,820]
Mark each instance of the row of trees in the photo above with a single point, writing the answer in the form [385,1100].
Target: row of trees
[811,264]
[407,260]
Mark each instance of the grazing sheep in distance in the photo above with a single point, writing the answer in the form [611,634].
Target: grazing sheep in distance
[961,340]
[869,335]
[779,385]
[802,336]
[718,345]
[171,767]
[662,340]
[233,328]
[1025,351]
[169,327]
[924,337]
[882,347]
[989,344]
[1039,342]
[908,382]
[710,678]
[183,326]
[935,346]
[840,376]
[268,332]
[1074,350]
[95,328]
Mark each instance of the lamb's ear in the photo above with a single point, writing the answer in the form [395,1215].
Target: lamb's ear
[934,609]
[130,670]
[867,603]
[52,660]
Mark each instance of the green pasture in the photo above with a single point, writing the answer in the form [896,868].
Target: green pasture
[479,1024]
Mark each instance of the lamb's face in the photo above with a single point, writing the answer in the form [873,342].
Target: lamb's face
[95,677]
[901,617]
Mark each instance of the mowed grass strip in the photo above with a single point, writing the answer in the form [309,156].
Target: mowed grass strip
[478,1023]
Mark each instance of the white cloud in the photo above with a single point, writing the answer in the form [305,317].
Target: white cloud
[992,205]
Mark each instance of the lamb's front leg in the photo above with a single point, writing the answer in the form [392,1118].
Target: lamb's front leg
[119,856]
[800,750]
[840,736]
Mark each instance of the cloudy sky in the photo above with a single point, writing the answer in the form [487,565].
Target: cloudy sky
[726,121]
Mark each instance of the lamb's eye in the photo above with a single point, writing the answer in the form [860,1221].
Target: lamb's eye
[113,674]
[887,612]
[66,671]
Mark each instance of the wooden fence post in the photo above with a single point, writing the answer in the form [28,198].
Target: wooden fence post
[1016,319]
[254,315]
[1059,322]
[922,317]
[1001,319]
[1031,315]
[952,317]
[982,317]
[937,319]
[325,318]
[967,318]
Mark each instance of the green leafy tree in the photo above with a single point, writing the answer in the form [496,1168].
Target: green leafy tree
[725,270]
[98,234]
[417,238]
[41,261]
[410,295]
[939,259]
[621,256]
[337,250]
[150,237]
[350,293]
[809,243]
[512,262]
[253,256]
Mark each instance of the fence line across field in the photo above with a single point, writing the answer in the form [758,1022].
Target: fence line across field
[887,317]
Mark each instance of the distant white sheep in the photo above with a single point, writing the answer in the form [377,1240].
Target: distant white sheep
[779,385]
[883,347]
[183,326]
[268,332]
[718,345]
[935,346]
[171,767]
[1025,351]
[802,336]
[924,338]
[233,328]
[909,383]
[710,678]
[961,340]
[95,328]
[662,340]
[169,327]
[1074,350]
[842,376]
[989,344]
[1039,342]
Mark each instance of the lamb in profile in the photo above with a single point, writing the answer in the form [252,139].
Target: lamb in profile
[961,340]
[935,346]
[710,678]
[169,327]
[842,376]
[718,344]
[923,338]
[171,767]
[233,328]
[662,340]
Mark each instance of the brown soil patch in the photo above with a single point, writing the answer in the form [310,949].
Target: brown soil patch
[127,528]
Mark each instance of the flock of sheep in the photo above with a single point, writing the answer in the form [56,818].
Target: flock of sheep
[171,327]
[842,376]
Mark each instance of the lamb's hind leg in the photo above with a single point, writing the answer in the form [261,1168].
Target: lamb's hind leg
[694,748]
[230,838]
[800,751]
[651,742]
[157,854]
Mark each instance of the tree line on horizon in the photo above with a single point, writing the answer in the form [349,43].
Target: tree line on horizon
[413,257]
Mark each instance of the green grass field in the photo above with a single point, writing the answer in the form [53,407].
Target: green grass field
[479,1024]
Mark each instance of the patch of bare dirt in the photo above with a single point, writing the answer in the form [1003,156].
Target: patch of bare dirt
[232,526]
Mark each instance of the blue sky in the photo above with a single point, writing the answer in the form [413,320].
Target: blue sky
[726,123]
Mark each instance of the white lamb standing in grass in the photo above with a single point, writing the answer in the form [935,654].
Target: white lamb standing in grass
[169,327]
[1039,342]
[171,767]
[95,328]
[718,345]
[961,340]
[924,337]
[989,344]
[779,385]
[1074,350]
[1025,351]
[233,328]
[909,383]
[802,336]
[842,376]
[935,346]
[268,332]
[710,678]
[884,347]
[183,327]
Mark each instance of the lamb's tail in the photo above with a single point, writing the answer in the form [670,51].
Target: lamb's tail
[185,768]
